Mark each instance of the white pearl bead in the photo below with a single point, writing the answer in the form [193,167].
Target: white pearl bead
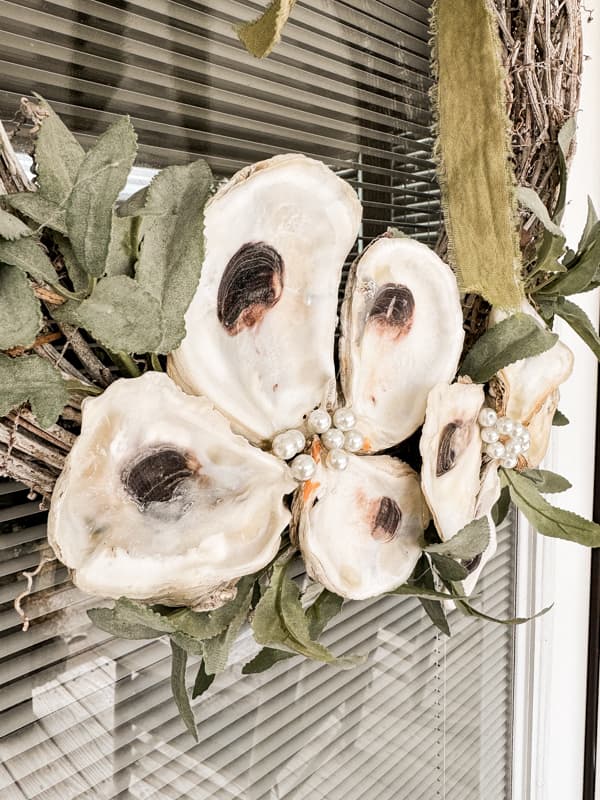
[333,439]
[525,443]
[303,467]
[298,438]
[284,446]
[513,448]
[518,429]
[319,421]
[489,435]
[509,462]
[495,450]
[505,426]
[353,441]
[337,459]
[487,417]
[344,419]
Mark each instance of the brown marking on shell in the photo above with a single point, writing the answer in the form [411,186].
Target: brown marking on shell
[393,309]
[157,474]
[472,564]
[251,285]
[387,520]
[454,439]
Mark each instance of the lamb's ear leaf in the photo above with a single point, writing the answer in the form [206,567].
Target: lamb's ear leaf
[260,36]
[216,649]
[265,659]
[100,178]
[447,568]
[433,608]
[20,312]
[135,612]
[58,156]
[107,620]
[545,481]
[466,544]
[12,227]
[38,208]
[559,419]
[565,137]
[470,611]
[516,337]
[581,276]
[530,199]
[33,379]
[178,687]
[501,507]
[203,681]
[576,317]
[30,257]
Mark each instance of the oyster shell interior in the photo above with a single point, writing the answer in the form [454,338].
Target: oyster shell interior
[160,501]
[260,329]
[360,530]
[402,332]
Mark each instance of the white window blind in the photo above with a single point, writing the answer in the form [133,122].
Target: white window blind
[86,716]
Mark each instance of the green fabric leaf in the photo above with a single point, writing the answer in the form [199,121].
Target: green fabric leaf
[134,612]
[216,650]
[502,507]
[530,199]
[202,625]
[590,224]
[32,379]
[260,36]
[473,151]
[580,322]
[516,337]
[12,227]
[433,608]
[203,681]
[58,157]
[20,312]
[265,659]
[77,275]
[559,419]
[67,312]
[447,568]
[42,211]
[193,647]
[466,544]
[279,619]
[102,175]
[178,667]
[30,257]
[581,273]
[551,250]
[166,193]
[121,315]
[172,245]
[545,481]
[410,590]
[473,612]
[564,138]
[121,256]
[107,620]
[547,519]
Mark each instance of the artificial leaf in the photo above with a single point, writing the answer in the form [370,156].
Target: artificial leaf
[590,224]
[207,624]
[178,687]
[516,337]
[433,608]
[502,507]
[545,518]
[58,157]
[67,312]
[470,611]
[279,619]
[559,419]
[33,379]
[78,276]
[107,620]
[551,250]
[122,249]
[564,138]
[100,178]
[121,315]
[530,199]
[469,542]
[12,227]
[20,312]
[447,568]
[580,322]
[172,246]
[134,612]
[265,659]
[30,257]
[260,36]
[164,195]
[216,650]
[581,273]
[411,590]
[194,647]
[41,210]
[203,681]
[545,481]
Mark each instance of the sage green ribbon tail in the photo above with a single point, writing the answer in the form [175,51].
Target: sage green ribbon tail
[473,152]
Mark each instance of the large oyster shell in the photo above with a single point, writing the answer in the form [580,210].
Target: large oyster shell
[402,332]
[260,329]
[451,451]
[159,501]
[528,389]
[360,530]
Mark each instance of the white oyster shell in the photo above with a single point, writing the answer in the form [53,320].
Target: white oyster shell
[528,389]
[451,452]
[260,329]
[486,500]
[402,332]
[160,501]
[360,530]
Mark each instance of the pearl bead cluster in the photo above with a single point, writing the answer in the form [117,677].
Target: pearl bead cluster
[505,438]
[339,440]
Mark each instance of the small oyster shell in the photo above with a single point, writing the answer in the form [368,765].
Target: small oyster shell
[528,389]
[402,332]
[451,451]
[159,501]
[360,529]
[260,329]
[486,500]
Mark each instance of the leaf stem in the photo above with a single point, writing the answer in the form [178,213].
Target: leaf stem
[125,363]
[83,388]
[155,361]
